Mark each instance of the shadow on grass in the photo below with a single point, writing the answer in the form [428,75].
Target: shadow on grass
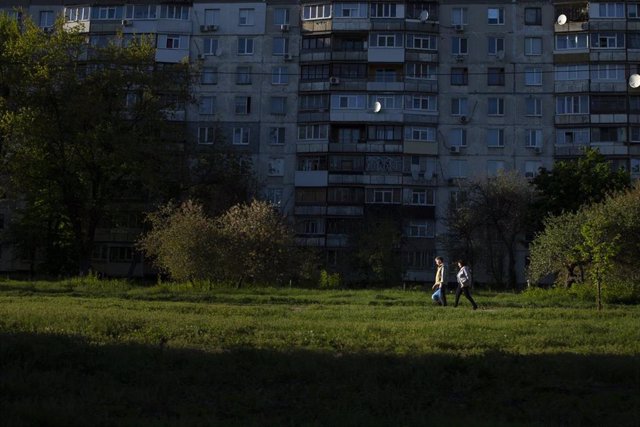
[58,380]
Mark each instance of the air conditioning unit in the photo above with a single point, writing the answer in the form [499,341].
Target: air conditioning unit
[334,80]
[208,28]
[538,150]
[126,23]
[464,119]
[284,28]
[455,149]
[288,57]
[459,27]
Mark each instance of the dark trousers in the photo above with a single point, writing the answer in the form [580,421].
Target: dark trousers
[467,294]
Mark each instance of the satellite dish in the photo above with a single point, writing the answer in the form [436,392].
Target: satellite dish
[562,19]
[377,107]
[424,15]
[634,81]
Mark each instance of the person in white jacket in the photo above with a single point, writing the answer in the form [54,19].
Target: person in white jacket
[464,284]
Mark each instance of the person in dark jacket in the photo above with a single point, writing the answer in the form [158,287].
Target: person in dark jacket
[464,284]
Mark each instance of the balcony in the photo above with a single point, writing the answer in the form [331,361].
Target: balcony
[609,118]
[386,54]
[311,178]
[419,147]
[611,148]
[310,241]
[345,210]
[572,119]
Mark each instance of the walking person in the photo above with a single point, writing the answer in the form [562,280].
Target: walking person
[440,283]
[464,284]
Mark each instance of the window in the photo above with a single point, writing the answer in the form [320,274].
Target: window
[172,41]
[349,102]
[571,72]
[350,10]
[384,10]
[533,76]
[608,134]
[421,70]
[532,168]
[314,72]
[279,75]
[385,133]
[388,102]
[457,199]
[533,138]
[280,16]
[274,196]
[275,167]
[495,16]
[120,254]
[532,16]
[495,138]
[206,135]
[317,131]
[241,135]
[458,137]
[602,104]
[606,10]
[243,104]
[494,167]
[458,168]
[207,105]
[169,11]
[495,76]
[316,11]
[634,164]
[278,105]
[243,75]
[420,229]
[635,134]
[607,40]
[246,17]
[422,134]
[495,106]
[280,46]
[571,41]
[276,135]
[533,106]
[385,40]
[350,71]
[459,16]
[533,46]
[47,19]
[314,102]
[209,76]
[423,102]
[572,104]
[350,135]
[383,195]
[573,136]
[633,10]
[495,45]
[418,260]
[212,17]
[105,12]
[459,76]
[386,75]
[245,46]
[77,13]
[316,43]
[421,197]
[210,45]
[422,42]
[459,107]
[459,46]
[608,72]
[351,44]
[141,11]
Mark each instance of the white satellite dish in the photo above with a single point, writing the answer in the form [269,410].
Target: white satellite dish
[377,107]
[424,16]
[562,19]
[634,81]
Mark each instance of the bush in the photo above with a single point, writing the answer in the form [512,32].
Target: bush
[329,280]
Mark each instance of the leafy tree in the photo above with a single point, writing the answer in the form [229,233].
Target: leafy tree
[557,249]
[183,242]
[574,183]
[259,244]
[493,221]
[68,130]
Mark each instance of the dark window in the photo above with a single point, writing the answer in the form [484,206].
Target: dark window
[607,105]
[532,16]
[634,104]
[495,76]
[314,72]
[350,71]
[459,77]
[316,43]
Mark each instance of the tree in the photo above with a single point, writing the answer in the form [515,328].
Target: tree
[83,124]
[557,249]
[572,184]
[494,219]
[183,242]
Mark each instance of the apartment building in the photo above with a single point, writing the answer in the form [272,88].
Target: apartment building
[357,110]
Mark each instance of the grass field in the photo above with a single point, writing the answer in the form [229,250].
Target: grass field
[112,353]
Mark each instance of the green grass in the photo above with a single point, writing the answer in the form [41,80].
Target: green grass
[112,353]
